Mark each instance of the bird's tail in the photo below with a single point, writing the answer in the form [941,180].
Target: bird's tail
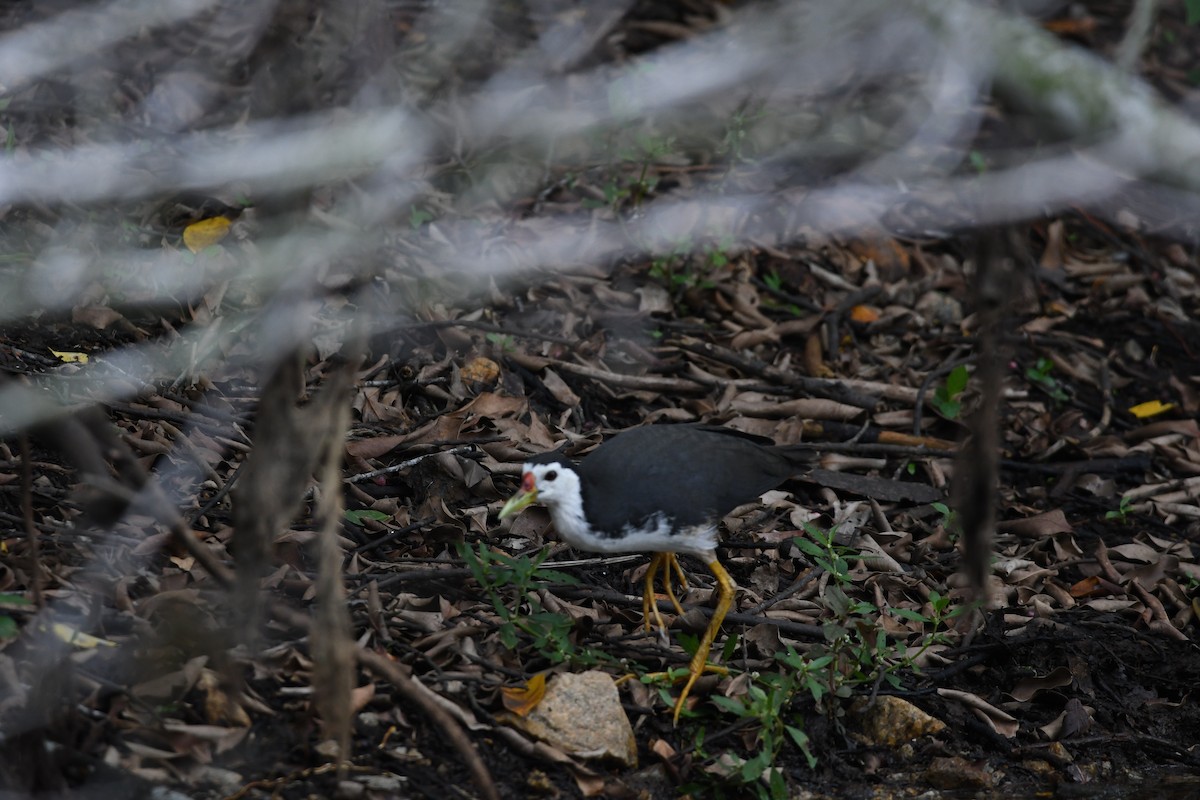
[800,456]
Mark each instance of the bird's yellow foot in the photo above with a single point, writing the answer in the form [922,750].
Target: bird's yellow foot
[666,563]
[699,663]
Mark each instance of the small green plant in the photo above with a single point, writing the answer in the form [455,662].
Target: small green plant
[737,134]
[826,552]
[357,516]
[718,252]
[615,194]
[509,581]
[677,269]
[1193,11]
[418,217]
[946,398]
[949,520]
[978,161]
[1040,376]
[1121,512]
[8,625]
[645,151]
[856,653]
[774,281]
[942,613]
[503,341]
[652,149]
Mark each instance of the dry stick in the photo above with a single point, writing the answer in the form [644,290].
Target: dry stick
[484,326]
[332,636]
[405,684]
[181,534]
[194,451]
[31,531]
[795,587]
[644,383]
[403,465]
[378,664]
[99,430]
[746,618]
[978,471]
[218,496]
[265,500]
[448,726]
[819,387]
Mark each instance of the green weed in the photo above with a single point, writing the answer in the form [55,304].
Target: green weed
[946,398]
[1121,512]
[855,653]
[1039,375]
[8,625]
[502,341]
[949,520]
[509,582]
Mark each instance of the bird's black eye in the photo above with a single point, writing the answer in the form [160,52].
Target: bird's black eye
[551,475]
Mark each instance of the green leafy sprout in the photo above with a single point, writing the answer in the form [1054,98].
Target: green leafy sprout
[1039,375]
[8,625]
[855,653]
[1121,512]
[358,516]
[946,399]
[509,582]
[503,341]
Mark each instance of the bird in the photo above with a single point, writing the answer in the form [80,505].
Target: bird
[660,489]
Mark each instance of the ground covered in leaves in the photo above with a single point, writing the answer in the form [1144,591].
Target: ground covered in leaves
[858,665]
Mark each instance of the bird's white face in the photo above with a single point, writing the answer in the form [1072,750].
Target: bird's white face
[551,485]
[557,487]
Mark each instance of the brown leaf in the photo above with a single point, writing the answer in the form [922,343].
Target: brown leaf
[1045,524]
[99,317]
[1002,722]
[559,388]
[1026,688]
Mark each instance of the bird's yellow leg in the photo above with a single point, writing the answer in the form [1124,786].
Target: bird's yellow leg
[663,563]
[649,606]
[725,590]
[672,565]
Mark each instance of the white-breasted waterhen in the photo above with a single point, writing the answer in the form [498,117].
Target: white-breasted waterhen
[663,489]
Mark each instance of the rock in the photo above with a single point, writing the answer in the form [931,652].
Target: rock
[957,773]
[940,308]
[891,721]
[581,715]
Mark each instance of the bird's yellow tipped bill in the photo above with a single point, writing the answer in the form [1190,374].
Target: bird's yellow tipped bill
[517,502]
[525,497]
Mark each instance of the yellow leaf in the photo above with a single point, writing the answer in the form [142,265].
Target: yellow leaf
[205,233]
[69,357]
[1151,408]
[78,638]
[864,314]
[520,700]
